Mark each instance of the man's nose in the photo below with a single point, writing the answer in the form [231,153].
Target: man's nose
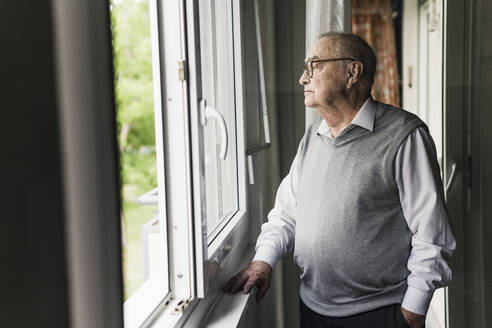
[304,78]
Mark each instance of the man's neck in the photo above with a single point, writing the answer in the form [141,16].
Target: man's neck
[338,115]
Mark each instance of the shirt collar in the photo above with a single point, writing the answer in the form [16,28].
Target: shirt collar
[364,118]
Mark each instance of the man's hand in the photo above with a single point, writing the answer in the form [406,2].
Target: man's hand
[258,274]
[414,320]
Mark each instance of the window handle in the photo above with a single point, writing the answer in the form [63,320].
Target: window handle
[452,176]
[210,112]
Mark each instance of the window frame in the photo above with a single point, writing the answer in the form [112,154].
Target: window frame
[226,238]
[179,151]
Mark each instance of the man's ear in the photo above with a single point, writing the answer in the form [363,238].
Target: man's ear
[354,73]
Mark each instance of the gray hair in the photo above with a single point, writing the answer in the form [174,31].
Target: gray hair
[351,45]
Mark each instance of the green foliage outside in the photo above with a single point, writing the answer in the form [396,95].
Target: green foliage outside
[135,116]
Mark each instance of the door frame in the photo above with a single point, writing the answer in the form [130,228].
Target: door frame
[457,68]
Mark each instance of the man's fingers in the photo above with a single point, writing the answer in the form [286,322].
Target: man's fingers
[257,274]
[229,284]
[247,286]
[239,283]
[236,283]
[262,290]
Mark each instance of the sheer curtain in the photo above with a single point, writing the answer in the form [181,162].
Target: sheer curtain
[373,20]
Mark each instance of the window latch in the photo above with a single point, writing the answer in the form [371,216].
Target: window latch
[181,306]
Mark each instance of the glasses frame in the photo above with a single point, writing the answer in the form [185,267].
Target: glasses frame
[308,63]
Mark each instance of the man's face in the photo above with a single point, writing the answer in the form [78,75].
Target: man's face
[327,83]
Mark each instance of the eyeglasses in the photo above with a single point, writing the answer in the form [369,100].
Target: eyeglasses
[308,63]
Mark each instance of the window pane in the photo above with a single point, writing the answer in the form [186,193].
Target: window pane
[143,251]
[218,89]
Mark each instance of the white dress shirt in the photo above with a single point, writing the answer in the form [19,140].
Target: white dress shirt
[417,175]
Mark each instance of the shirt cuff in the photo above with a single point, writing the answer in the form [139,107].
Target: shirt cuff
[266,254]
[416,301]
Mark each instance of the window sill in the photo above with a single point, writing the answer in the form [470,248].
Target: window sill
[228,311]
[144,300]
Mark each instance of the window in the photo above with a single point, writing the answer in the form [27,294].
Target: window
[144,238]
[185,227]
[205,154]
[219,147]
[222,112]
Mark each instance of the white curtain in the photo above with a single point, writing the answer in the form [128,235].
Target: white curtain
[325,16]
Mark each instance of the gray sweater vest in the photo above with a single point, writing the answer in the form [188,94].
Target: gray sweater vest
[352,242]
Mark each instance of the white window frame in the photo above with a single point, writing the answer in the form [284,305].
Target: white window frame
[179,150]
[223,242]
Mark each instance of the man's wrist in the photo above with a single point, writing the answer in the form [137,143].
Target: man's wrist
[266,254]
[414,320]
[416,301]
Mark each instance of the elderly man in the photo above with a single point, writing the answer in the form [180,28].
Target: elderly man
[362,205]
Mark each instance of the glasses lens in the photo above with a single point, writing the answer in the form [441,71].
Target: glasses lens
[308,67]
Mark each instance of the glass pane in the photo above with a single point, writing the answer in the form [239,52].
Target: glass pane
[143,257]
[218,89]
